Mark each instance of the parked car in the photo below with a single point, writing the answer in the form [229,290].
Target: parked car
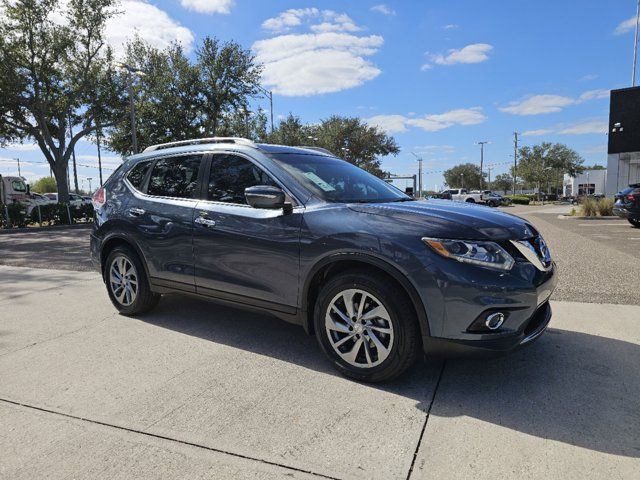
[494,199]
[75,200]
[377,276]
[35,200]
[628,204]
[462,195]
[13,190]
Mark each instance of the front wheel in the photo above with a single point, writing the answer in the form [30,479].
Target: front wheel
[366,326]
[127,283]
[635,222]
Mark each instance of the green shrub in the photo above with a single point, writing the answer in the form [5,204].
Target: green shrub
[605,207]
[520,199]
[17,215]
[589,207]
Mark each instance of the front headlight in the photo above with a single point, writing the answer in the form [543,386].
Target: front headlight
[484,254]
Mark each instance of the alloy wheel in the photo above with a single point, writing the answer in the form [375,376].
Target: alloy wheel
[123,280]
[359,328]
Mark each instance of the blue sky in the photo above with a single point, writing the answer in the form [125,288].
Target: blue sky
[437,75]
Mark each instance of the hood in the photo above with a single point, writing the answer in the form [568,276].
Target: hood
[449,219]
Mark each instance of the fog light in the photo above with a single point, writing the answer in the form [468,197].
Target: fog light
[494,321]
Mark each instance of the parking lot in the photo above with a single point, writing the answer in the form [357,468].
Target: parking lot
[195,390]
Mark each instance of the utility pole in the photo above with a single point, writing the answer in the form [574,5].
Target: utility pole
[419,174]
[18,160]
[73,155]
[89,179]
[635,46]
[482,144]
[515,160]
[489,179]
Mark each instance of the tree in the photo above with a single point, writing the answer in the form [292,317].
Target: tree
[168,103]
[596,166]
[355,141]
[466,175]
[291,131]
[545,164]
[229,76]
[243,123]
[56,76]
[45,185]
[502,182]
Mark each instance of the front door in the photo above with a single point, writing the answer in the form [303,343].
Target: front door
[245,254]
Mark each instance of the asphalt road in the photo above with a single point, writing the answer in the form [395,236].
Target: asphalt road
[195,390]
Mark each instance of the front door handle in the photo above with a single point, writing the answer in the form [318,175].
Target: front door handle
[136,212]
[205,222]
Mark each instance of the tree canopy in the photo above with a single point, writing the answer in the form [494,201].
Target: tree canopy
[502,182]
[466,175]
[545,164]
[45,185]
[56,76]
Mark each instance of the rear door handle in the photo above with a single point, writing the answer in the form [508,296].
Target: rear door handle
[205,222]
[136,212]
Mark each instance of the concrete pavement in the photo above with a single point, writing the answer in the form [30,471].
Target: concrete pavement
[195,390]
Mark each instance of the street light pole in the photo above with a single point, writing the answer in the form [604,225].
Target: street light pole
[269,94]
[419,174]
[132,107]
[635,46]
[19,173]
[482,144]
[515,160]
[89,180]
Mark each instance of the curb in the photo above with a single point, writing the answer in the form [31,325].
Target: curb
[578,217]
[76,226]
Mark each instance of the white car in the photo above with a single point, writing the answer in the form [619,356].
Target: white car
[462,195]
[75,200]
[35,200]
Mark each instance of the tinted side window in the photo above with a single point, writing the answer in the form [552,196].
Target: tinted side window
[175,177]
[230,175]
[137,174]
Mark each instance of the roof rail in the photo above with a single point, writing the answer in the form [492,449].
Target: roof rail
[201,141]
[318,149]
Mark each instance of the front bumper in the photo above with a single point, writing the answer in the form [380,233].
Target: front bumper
[626,213]
[534,328]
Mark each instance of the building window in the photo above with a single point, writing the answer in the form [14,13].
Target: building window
[586,188]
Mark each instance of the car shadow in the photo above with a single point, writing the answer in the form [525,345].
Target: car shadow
[571,387]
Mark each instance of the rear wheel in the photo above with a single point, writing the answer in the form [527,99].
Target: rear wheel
[470,200]
[366,326]
[635,222]
[127,283]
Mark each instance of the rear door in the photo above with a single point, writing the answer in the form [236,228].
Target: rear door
[166,191]
[245,254]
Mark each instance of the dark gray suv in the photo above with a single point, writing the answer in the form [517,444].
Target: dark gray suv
[377,276]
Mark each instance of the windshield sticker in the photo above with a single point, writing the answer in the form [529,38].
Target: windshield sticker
[319,182]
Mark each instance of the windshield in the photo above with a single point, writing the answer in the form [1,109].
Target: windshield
[336,180]
[18,186]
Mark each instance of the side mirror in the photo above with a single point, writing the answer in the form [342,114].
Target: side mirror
[265,196]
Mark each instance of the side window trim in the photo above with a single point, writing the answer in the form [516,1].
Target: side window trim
[204,193]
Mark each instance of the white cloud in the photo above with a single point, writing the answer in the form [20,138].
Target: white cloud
[383,9]
[149,22]
[209,6]
[450,26]
[474,53]
[626,26]
[328,59]
[539,104]
[430,122]
[585,127]
[329,21]
[594,95]
[389,123]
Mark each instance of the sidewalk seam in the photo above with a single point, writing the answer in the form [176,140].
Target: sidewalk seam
[163,437]
[426,420]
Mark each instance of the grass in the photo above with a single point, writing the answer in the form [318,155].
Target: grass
[589,207]
[605,207]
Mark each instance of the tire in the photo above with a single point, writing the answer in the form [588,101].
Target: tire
[470,200]
[635,222]
[139,298]
[398,333]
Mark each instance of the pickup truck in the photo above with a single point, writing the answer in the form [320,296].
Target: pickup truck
[462,195]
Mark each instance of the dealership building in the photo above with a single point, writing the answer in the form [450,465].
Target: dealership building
[623,160]
[589,182]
